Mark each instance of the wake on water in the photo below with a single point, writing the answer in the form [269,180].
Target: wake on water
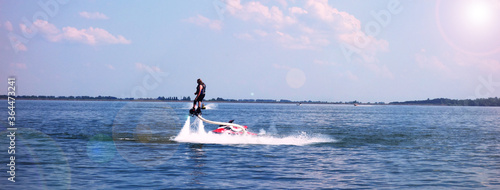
[207,106]
[195,133]
[210,106]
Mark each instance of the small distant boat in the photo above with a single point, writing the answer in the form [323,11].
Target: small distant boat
[356,105]
[298,104]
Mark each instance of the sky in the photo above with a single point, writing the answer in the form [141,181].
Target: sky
[369,51]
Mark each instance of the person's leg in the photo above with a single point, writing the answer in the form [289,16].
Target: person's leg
[194,102]
[200,99]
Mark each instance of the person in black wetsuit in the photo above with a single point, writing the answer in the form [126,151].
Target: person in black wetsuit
[200,94]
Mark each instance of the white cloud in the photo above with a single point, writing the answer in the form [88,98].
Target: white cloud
[93,15]
[17,45]
[245,36]
[257,12]
[204,21]
[140,66]
[8,26]
[342,21]
[110,67]
[296,10]
[261,33]
[283,3]
[91,36]
[26,29]
[349,75]
[19,65]
[485,65]
[301,40]
[347,30]
[328,24]
[50,31]
[289,41]
[321,9]
[363,45]
[429,62]
[307,30]
[314,25]
[21,47]
[321,62]
[143,67]
[380,70]
[456,65]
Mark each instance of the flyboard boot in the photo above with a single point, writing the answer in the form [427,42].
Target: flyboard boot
[194,112]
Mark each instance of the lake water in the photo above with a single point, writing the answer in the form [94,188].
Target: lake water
[139,145]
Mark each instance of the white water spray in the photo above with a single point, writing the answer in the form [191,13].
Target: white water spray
[211,106]
[201,136]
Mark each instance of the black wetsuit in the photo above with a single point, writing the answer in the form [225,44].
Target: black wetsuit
[202,94]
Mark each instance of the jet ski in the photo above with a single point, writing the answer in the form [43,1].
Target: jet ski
[232,130]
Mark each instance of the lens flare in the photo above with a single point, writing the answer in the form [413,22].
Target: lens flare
[470,26]
[478,13]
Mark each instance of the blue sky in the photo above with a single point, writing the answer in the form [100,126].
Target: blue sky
[383,50]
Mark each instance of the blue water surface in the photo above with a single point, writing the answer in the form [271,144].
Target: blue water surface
[129,145]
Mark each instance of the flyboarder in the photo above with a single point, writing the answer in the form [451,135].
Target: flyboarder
[200,94]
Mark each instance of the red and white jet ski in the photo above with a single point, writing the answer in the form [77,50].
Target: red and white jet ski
[227,128]
[232,130]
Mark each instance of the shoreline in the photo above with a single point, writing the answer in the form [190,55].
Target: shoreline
[184,101]
[252,102]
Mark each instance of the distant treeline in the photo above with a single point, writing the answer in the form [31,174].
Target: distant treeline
[172,98]
[449,102]
[219,99]
[32,97]
[438,101]
[184,98]
[160,98]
